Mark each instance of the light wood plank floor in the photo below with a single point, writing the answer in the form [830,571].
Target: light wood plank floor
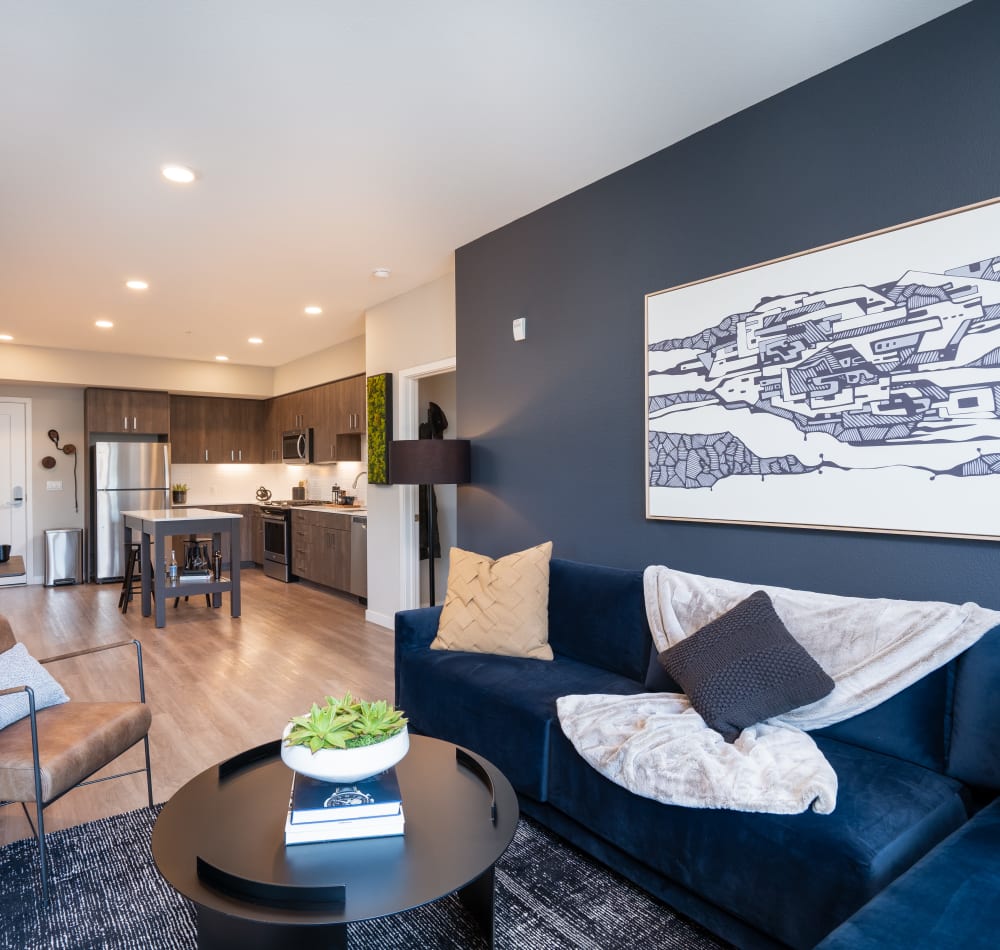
[216,685]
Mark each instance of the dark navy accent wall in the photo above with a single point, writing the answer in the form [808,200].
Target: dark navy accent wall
[558,422]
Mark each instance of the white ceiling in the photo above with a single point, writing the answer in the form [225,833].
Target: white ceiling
[335,136]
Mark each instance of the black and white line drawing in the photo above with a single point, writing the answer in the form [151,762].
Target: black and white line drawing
[862,377]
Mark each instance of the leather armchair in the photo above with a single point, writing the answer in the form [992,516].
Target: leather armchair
[53,750]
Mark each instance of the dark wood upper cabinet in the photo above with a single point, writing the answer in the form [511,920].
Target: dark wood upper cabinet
[125,410]
[218,429]
[213,429]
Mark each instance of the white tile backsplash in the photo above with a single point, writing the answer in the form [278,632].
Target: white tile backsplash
[238,484]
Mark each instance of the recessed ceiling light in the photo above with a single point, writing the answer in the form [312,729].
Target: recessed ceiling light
[313,311]
[6,337]
[137,285]
[381,272]
[222,359]
[103,324]
[178,174]
[255,339]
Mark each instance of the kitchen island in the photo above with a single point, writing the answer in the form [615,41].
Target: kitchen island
[155,525]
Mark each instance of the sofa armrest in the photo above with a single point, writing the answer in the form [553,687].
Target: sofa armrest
[415,629]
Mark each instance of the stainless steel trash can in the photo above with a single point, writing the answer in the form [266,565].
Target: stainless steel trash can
[63,556]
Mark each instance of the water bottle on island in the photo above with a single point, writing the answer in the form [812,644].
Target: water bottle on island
[173,566]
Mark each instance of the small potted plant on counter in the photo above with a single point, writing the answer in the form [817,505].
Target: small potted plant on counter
[345,740]
[180,493]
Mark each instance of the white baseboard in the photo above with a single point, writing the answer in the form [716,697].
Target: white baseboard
[383,620]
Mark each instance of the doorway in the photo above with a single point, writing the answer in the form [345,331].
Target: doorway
[15,426]
[415,387]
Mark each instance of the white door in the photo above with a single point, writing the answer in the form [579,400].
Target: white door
[14,485]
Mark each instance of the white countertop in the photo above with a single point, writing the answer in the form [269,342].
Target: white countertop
[178,514]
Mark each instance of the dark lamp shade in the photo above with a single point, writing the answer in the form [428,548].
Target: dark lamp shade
[429,462]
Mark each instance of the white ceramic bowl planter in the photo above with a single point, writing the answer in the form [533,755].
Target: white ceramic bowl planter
[345,765]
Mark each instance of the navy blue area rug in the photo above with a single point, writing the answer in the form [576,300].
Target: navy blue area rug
[107,893]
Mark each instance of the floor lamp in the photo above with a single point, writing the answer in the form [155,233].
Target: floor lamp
[429,462]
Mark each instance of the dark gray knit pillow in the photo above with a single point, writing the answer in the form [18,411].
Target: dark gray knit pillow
[745,667]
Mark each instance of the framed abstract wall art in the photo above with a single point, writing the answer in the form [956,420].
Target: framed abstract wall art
[379,427]
[855,386]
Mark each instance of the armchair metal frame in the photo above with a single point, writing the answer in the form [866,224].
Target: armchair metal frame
[38,826]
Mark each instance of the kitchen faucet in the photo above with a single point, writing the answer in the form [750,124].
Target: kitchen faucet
[357,478]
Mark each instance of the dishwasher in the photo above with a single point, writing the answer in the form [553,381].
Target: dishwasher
[359,557]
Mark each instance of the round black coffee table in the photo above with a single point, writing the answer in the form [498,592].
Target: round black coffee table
[220,842]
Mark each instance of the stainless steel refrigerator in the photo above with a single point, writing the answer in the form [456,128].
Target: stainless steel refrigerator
[124,476]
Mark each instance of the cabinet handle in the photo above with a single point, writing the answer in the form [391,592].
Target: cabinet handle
[135,424]
[241,454]
[206,455]
[125,423]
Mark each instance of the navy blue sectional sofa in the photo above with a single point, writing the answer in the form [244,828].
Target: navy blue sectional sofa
[914,776]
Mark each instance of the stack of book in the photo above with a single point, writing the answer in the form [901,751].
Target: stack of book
[195,574]
[326,811]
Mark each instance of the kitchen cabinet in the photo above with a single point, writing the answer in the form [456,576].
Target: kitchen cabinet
[124,410]
[302,537]
[283,414]
[241,426]
[188,429]
[352,405]
[321,548]
[321,407]
[216,429]
[255,530]
[213,429]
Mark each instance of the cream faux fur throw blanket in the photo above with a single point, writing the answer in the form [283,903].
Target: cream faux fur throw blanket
[657,746]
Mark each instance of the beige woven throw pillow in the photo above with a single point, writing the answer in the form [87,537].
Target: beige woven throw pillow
[497,606]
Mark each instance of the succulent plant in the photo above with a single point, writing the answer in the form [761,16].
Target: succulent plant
[345,724]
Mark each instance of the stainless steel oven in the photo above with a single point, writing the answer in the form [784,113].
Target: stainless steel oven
[277,521]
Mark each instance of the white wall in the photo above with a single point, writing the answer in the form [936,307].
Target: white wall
[336,362]
[46,366]
[61,409]
[36,364]
[407,331]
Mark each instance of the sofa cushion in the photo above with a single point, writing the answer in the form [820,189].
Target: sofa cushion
[795,877]
[950,898]
[912,725]
[499,706]
[497,606]
[745,667]
[975,743]
[75,740]
[597,615]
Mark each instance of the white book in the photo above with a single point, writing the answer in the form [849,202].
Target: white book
[380,826]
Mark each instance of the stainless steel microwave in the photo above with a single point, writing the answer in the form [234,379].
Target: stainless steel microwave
[297,446]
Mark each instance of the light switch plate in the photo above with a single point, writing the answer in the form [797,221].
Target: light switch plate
[519,329]
[53,486]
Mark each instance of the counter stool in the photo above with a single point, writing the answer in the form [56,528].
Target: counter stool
[132,582]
